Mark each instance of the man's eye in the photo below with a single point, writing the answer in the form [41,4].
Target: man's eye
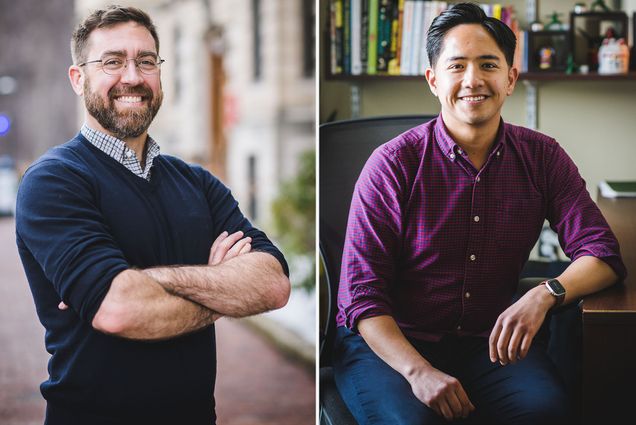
[455,66]
[112,62]
[490,65]
[147,62]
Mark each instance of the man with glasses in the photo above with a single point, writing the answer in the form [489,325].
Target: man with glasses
[132,255]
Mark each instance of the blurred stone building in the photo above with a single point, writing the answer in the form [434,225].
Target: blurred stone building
[239,89]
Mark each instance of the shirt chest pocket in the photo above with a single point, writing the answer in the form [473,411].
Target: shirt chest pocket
[518,224]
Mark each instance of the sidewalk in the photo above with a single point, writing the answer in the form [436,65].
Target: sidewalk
[256,384]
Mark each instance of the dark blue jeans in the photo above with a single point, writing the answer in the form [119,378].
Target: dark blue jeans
[528,392]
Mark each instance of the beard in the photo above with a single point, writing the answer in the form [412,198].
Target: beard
[123,124]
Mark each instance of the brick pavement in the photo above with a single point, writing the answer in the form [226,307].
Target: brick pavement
[256,384]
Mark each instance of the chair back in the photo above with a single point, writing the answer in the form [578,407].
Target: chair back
[344,148]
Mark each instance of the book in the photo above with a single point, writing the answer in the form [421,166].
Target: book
[618,189]
[364,36]
[384,36]
[356,41]
[407,37]
[372,47]
[418,18]
[346,38]
[337,14]
[396,39]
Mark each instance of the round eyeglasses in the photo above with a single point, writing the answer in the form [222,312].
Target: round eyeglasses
[114,65]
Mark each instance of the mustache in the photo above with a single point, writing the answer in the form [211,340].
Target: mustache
[125,91]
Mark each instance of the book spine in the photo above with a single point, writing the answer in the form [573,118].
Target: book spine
[339,36]
[396,38]
[384,36]
[333,69]
[356,42]
[407,37]
[346,39]
[372,56]
[364,35]
[417,37]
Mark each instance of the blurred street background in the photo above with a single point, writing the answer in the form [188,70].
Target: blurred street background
[239,99]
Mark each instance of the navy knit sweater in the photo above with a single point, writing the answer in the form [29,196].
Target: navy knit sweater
[81,219]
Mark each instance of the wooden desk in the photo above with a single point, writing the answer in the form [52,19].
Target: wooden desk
[609,331]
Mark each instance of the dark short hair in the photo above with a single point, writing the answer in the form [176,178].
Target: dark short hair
[469,13]
[104,18]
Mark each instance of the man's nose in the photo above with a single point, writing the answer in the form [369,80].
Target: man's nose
[472,76]
[131,74]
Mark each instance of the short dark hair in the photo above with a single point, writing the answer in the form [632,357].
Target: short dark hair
[104,18]
[469,13]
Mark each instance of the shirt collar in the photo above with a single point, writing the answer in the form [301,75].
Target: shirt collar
[450,148]
[120,152]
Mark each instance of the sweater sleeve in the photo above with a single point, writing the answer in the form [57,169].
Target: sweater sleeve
[228,217]
[60,224]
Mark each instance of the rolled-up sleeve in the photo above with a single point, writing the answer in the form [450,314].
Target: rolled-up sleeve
[372,240]
[582,229]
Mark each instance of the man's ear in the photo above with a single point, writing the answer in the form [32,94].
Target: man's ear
[513,74]
[76,76]
[432,82]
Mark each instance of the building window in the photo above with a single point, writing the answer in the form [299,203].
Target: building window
[256,39]
[252,189]
[309,38]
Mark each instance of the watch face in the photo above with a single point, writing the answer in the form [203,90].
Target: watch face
[556,287]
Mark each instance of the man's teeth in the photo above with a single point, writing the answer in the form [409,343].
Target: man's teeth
[129,99]
[474,98]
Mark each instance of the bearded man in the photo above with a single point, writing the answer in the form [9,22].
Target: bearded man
[132,255]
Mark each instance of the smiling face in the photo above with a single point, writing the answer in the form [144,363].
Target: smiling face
[121,105]
[471,78]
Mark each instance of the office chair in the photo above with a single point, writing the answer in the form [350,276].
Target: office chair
[344,147]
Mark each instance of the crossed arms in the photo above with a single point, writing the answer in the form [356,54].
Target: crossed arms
[165,302]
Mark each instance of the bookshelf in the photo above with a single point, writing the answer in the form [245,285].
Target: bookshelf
[530,80]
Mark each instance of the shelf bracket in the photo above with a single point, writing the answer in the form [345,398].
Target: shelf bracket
[532,100]
[355,100]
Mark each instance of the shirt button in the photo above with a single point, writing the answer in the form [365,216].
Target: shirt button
[476,218]
[467,294]
[459,151]
[477,179]
[128,154]
[498,153]
[459,327]
[473,257]
[452,156]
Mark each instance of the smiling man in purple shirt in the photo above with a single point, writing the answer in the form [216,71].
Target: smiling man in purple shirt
[442,220]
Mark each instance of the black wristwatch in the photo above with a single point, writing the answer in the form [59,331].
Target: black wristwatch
[556,289]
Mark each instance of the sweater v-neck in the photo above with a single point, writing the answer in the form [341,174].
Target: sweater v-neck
[119,167]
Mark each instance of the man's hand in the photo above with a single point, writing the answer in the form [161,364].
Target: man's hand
[441,392]
[224,247]
[516,327]
[227,246]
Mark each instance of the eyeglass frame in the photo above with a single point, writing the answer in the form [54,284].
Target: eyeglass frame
[125,65]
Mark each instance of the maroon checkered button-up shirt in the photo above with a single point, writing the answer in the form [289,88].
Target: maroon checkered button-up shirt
[439,245]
